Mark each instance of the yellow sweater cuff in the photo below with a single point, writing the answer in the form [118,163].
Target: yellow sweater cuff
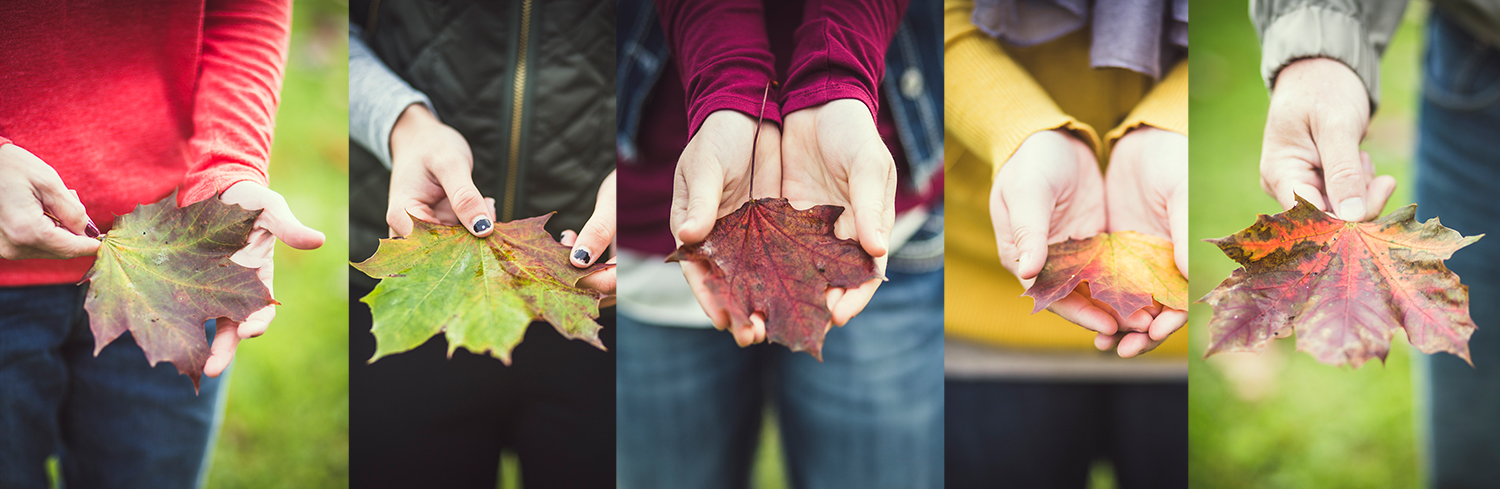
[1164,107]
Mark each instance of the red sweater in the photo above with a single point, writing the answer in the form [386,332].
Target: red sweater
[130,100]
[723,52]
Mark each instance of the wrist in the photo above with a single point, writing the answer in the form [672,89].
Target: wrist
[412,121]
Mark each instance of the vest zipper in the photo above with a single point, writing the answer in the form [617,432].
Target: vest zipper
[518,92]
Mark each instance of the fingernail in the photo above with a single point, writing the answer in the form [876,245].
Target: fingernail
[481,224]
[1024,257]
[1352,209]
[581,256]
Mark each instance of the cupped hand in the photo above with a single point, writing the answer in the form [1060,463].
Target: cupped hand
[832,154]
[596,239]
[275,221]
[1146,190]
[712,180]
[432,177]
[1050,190]
[30,190]
[1319,114]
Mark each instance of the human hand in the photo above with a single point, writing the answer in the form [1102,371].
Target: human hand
[1146,190]
[712,180]
[1048,191]
[833,154]
[598,235]
[1319,113]
[29,191]
[275,221]
[432,176]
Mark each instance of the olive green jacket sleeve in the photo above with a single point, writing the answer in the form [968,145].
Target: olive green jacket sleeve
[1354,32]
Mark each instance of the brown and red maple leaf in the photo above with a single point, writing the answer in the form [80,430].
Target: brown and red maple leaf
[770,258]
[1343,287]
[163,271]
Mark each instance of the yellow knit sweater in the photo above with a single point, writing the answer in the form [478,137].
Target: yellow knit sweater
[996,96]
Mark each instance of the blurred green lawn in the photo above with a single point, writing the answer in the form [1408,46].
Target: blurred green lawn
[287,421]
[1281,419]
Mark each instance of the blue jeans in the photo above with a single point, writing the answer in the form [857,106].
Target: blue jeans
[689,401]
[1458,178]
[114,421]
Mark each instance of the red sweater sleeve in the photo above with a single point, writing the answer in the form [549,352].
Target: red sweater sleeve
[840,52]
[244,51]
[723,54]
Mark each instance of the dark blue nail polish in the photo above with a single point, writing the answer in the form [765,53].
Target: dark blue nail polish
[482,225]
[581,255]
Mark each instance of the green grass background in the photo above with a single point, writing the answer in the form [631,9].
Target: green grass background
[287,419]
[1281,419]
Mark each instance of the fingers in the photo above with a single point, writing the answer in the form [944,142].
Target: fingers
[853,301]
[221,351]
[1379,193]
[54,242]
[1168,322]
[1029,212]
[750,333]
[472,210]
[63,204]
[1135,344]
[1078,309]
[257,323]
[1345,176]
[599,231]
[695,274]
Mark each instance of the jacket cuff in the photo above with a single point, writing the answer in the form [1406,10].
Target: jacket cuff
[1316,32]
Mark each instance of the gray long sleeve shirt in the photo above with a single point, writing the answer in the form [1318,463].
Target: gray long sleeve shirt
[1354,32]
[376,98]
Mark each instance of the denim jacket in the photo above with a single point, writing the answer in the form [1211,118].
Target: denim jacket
[913,86]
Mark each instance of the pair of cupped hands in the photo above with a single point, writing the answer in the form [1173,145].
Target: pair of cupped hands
[829,154]
[30,190]
[1051,188]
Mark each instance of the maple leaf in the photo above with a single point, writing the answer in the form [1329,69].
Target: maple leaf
[770,258]
[1124,269]
[163,271]
[480,292]
[1343,287]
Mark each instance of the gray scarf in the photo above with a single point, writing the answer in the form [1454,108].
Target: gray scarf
[1143,36]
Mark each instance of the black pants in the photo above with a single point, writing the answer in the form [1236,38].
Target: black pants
[420,419]
[1039,434]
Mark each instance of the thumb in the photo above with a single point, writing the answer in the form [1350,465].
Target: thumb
[703,185]
[286,227]
[1029,212]
[1344,176]
[872,193]
[467,202]
[599,231]
[1177,226]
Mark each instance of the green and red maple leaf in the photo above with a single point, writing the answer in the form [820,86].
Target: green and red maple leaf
[1343,287]
[481,293]
[163,271]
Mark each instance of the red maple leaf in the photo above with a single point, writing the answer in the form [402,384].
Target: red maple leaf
[1124,269]
[163,271]
[1343,287]
[770,258]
